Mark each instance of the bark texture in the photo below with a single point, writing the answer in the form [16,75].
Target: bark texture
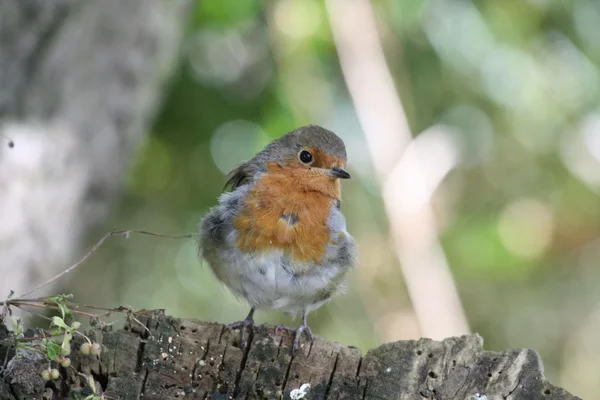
[79,85]
[169,358]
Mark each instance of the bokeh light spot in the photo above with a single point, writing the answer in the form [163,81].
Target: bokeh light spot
[526,227]
[217,57]
[236,141]
[297,19]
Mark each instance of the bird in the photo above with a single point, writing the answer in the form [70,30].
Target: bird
[277,238]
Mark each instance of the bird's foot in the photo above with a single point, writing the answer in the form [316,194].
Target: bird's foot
[298,333]
[245,325]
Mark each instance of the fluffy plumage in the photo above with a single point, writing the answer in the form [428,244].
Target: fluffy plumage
[278,239]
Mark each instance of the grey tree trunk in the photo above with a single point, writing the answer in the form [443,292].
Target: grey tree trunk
[176,358]
[79,85]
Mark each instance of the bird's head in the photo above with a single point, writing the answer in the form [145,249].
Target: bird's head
[309,158]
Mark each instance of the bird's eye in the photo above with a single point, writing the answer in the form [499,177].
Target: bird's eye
[305,157]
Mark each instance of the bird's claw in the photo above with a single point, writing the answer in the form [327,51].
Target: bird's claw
[245,326]
[298,333]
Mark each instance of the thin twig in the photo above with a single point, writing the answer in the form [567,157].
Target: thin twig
[34,338]
[20,304]
[118,309]
[139,322]
[20,299]
[43,302]
[31,312]
[124,233]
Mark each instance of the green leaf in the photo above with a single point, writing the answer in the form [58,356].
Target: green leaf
[57,321]
[53,350]
[61,298]
[18,327]
[62,310]
[66,341]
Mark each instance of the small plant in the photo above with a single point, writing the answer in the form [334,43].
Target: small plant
[55,343]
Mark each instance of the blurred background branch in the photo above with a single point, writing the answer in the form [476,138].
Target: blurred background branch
[408,170]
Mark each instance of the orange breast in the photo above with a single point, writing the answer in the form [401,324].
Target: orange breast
[280,212]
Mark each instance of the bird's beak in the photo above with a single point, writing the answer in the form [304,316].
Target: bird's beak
[338,172]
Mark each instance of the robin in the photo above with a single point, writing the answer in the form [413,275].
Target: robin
[278,239]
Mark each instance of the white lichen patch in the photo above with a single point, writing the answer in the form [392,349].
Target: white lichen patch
[299,393]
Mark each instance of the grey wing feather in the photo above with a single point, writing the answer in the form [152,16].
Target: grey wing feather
[240,175]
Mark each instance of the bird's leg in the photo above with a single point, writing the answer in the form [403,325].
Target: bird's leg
[245,325]
[302,328]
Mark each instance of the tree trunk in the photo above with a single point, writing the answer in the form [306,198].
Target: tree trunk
[159,357]
[79,84]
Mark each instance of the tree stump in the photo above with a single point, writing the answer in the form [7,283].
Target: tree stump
[160,357]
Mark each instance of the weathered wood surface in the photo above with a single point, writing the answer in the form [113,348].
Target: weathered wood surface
[188,359]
